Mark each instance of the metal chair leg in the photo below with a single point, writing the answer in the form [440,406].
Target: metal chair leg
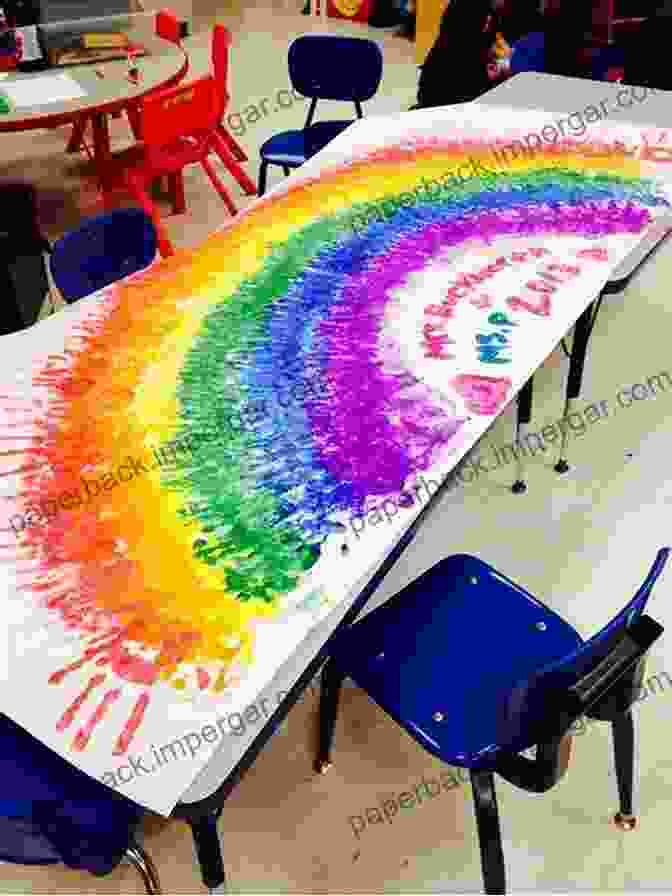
[577,360]
[263,173]
[209,850]
[523,418]
[489,835]
[144,865]
[623,737]
[332,680]
[286,170]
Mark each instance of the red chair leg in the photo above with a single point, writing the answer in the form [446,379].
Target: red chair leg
[177,189]
[219,186]
[225,154]
[165,246]
[77,137]
[236,149]
[133,114]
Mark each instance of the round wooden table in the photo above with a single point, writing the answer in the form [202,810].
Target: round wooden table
[108,91]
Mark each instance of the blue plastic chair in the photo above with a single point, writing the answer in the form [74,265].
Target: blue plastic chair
[102,251]
[477,670]
[51,812]
[323,67]
[527,54]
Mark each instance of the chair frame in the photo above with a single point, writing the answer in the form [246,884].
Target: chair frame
[137,179]
[136,856]
[607,693]
[286,167]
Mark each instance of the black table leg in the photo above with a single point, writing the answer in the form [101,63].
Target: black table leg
[523,418]
[208,849]
[577,359]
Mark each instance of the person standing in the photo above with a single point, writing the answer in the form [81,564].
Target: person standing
[459,67]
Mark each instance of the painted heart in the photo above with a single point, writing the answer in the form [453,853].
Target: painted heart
[483,395]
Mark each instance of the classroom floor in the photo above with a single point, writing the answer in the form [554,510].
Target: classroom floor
[581,542]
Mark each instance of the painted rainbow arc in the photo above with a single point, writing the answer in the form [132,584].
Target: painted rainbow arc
[167,578]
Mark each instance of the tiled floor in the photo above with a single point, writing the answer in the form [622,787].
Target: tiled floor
[581,542]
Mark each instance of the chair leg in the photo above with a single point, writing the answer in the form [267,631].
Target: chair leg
[140,195]
[236,149]
[489,834]
[77,136]
[209,850]
[133,115]
[286,170]
[332,680]
[144,865]
[623,737]
[219,186]
[263,174]
[227,156]
[177,189]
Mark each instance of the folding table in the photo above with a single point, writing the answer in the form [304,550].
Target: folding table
[358,567]
[561,98]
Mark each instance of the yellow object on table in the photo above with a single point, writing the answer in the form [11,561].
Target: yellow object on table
[104,41]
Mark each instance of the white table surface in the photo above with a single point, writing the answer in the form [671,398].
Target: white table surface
[561,97]
[21,350]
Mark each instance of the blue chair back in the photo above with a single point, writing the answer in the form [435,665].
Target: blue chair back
[528,54]
[330,67]
[535,704]
[102,251]
[605,58]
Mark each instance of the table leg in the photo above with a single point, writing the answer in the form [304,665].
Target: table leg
[523,418]
[577,359]
[209,850]
[102,152]
[77,137]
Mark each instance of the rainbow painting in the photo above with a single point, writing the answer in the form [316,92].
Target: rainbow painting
[194,444]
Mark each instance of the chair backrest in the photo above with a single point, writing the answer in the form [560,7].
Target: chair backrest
[170,27]
[102,251]
[191,109]
[221,43]
[330,67]
[537,703]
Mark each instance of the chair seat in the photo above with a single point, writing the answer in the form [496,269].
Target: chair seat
[172,157]
[444,656]
[292,148]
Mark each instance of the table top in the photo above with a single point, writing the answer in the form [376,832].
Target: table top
[163,63]
[345,361]
[557,94]
[569,99]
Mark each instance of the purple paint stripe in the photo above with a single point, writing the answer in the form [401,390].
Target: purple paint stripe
[357,441]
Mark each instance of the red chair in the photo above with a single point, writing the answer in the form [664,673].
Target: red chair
[221,42]
[168,26]
[179,128]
